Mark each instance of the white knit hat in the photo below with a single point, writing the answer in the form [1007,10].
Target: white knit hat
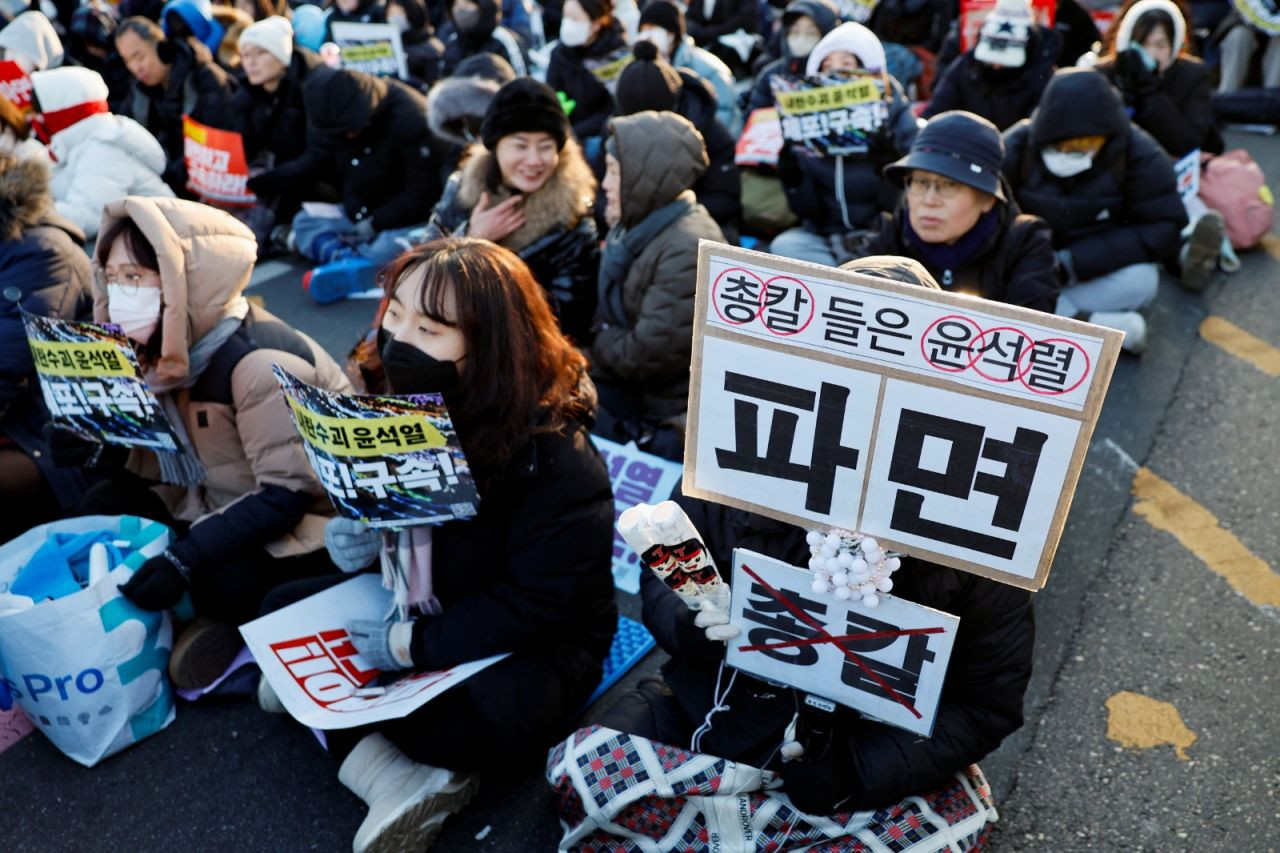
[274,35]
[63,88]
[1005,32]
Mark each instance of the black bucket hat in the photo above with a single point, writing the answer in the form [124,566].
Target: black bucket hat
[958,145]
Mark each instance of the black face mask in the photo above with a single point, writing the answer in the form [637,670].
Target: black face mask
[409,370]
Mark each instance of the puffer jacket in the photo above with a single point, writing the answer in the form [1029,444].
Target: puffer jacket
[388,170]
[275,123]
[712,69]
[724,17]
[31,35]
[487,37]
[260,490]
[1179,114]
[43,269]
[100,159]
[833,195]
[823,14]
[720,188]
[1002,96]
[1125,209]
[558,239]
[571,71]
[661,156]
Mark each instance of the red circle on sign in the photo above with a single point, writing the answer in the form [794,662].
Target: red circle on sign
[764,292]
[938,322]
[978,355]
[715,293]
[1088,364]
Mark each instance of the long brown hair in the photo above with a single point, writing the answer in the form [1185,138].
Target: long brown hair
[521,374]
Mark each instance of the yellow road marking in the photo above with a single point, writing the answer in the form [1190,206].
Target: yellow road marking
[1236,341]
[1140,722]
[1167,509]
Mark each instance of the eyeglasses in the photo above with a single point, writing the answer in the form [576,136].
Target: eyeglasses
[128,279]
[919,187]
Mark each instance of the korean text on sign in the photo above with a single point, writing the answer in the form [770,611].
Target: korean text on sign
[947,426]
[372,48]
[217,170]
[888,663]
[830,116]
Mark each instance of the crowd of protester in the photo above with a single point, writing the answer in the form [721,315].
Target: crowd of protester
[530,194]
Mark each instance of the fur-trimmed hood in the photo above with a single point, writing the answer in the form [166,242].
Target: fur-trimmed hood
[25,200]
[456,106]
[563,200]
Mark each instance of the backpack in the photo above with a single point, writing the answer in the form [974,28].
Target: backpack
[1233,185]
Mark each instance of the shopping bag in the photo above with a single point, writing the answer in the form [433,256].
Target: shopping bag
[88,668]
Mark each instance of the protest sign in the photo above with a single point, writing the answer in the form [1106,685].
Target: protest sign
[90,381]
[15,85]
[1187,171]
[608,69]
[889,666]
[372,48]
[833,114]
[974,12]
[217,170]
[761,139]
[387,461]
[308,658]
[637,478]
[944,425]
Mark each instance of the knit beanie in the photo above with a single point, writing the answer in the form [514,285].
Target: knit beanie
[1003,38]
[661,13]
[274,35]
[308,26]
[524,105]
[648,83]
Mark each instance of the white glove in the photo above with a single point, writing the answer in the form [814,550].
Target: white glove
[716,622]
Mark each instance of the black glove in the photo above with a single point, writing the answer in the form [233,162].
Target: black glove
[266,185]
[1136,81]
[881,150]
[70,449]
[157,585]
[694,645]
[822,779]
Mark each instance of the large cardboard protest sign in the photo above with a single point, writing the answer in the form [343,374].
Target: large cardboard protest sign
[887,663]
[91,383]
[15,86]
[946,426]
[973,13]
[372,48]
[830,115]
[387,461]
[217,170]
[306,654]
[637,478]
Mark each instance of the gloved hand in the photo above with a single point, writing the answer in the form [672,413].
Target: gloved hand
[385,645]
[68,448]
[266,184]
[716,622]
[881,150]
[364,230]
[352,545]
[157,585]
[1136,80]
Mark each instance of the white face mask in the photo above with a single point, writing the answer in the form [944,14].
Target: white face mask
[138,313]
[801,46]
[1065,164]
[660,38]
[574,33]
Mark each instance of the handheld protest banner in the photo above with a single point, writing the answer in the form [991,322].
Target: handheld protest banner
[946,426]
[372,48]
[15,86]
[889,667]
[217,170]
[637,477]
[387,461]
[831,115]
[91,383]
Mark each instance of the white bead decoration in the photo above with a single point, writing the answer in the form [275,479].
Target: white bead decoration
[850,566]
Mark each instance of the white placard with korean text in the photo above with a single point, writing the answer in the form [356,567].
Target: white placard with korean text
[947,426]
[886,662]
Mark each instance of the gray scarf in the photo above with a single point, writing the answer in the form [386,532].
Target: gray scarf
[621,248]
[182,467]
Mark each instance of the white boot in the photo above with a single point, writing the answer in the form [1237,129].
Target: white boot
[408,802]
[1129,322]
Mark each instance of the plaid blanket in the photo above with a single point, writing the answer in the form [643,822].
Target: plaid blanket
[617,792]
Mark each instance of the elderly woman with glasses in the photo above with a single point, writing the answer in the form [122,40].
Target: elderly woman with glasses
[958,219]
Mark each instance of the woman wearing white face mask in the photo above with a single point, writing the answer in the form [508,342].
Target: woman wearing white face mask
[586,63]
[248,511]
[1107,190]
[804,23]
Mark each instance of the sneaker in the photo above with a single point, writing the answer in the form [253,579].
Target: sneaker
[267,698]
[335,281]
[1129,322]
[202,652]
[1200,258]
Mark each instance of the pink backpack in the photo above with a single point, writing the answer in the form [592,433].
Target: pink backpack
[1233,185]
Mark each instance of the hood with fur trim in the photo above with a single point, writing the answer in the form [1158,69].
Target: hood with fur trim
[456,107]
[205,257]
[24,197]
[561,202]
[32,35]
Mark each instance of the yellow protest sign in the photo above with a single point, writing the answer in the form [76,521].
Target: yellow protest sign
[364,436]
[67,358]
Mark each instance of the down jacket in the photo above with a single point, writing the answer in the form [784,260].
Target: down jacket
[1002,96]
[1179,113]
[260,490]
[275,124]
[661,156]
[558,239]
[1125,209]
[572,70]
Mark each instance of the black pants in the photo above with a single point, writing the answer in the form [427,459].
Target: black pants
[511,711]
[230,591]
[651,711]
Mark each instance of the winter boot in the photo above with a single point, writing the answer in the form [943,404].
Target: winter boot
[408,802]
[1129,322]
[1200,255]
[202,652]
[336,281]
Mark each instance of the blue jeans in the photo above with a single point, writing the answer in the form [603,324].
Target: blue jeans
[385,247]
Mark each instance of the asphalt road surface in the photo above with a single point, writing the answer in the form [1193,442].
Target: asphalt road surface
[1152,719]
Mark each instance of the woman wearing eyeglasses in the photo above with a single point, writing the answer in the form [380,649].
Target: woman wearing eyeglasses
[248,513]
[956,217]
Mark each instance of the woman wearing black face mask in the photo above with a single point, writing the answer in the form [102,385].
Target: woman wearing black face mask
[477,28]
[529,575]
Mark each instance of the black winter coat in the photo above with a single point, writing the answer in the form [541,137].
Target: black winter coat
[822,14]
[1179,113]
[727,16]
[1000,96]
[1126,209]
[1014,266]
[570,71]
[389,171]
[720,188]
[500,42]
[530,573]
[198,87]
[274,125]
[869,763]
